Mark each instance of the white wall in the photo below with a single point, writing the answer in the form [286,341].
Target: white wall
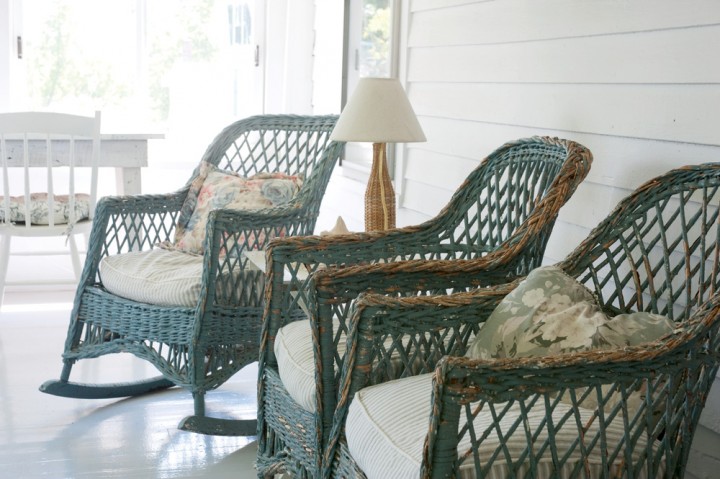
[637,82]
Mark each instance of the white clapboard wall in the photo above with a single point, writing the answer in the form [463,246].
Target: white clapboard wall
[637,82]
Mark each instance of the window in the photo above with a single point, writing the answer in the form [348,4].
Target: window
[149,65]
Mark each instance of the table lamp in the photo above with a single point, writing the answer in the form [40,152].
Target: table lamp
[378,112]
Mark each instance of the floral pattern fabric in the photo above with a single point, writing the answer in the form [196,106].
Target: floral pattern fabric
[38,209]
[214,189]
[551,313]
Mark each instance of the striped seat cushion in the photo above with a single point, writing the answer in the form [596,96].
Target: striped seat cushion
[296,362]
[387,424]
[159,276]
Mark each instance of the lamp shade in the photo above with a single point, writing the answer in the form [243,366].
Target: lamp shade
[378,112]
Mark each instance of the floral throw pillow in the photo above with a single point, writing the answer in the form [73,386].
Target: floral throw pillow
[551,313]
[548,313]
[214,188]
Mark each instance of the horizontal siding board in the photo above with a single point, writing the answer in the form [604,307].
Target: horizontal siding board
[469,139]
[659,112]
[475,23]
[590,204]
[448,171]
[618,162]
[424,198]
[420,5]
[408,217]
[703,463]
[564,238]
[667,56]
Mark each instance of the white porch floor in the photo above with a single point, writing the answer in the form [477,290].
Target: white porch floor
[54,437]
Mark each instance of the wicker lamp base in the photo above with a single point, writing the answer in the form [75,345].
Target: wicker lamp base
[379,196]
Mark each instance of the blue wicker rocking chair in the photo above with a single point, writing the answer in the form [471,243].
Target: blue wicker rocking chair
[502,215]
[198,347]
[657,252]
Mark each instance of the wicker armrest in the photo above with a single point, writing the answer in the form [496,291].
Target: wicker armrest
[141,203]
[130,223]
[234,220]
[411,275]
[350,248]
[425,328]
[252,230]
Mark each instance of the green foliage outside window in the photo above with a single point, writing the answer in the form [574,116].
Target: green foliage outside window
[376,38]
[61,70]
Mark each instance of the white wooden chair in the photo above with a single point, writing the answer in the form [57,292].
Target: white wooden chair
[34,147]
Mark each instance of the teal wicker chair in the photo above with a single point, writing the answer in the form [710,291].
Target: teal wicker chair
[657,252]
[501,215]
[201,346]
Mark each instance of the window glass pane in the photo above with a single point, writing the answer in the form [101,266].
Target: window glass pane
[375,46]
[154,65]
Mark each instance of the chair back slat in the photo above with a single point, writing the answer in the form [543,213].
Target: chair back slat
[499,196]
[50,141]
[26,174]
[50,184]
[71,184]
[6,180]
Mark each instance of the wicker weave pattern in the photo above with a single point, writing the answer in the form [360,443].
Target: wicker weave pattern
[501,215]
[657,252]
[198,348]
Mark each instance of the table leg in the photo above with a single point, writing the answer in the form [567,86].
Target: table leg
[128,181]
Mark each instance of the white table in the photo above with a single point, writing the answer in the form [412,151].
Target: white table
[127,153]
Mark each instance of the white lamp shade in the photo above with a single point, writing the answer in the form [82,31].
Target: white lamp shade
[378,112]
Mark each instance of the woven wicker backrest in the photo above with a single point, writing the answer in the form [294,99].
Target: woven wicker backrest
[292,143]
[658,251]
[281,143]
[500,194]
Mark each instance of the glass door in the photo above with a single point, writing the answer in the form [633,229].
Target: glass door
[246,21]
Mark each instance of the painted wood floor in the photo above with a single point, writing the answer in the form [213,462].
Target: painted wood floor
[53,437]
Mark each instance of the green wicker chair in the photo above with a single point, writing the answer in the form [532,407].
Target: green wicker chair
[657,252]
[502,215]
[201,346]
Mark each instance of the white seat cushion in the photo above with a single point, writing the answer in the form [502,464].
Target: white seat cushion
[158,276]
[296,364]
[387,424]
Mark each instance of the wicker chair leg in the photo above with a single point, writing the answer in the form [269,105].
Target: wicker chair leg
[218,427]
[202,424]
[58,387]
